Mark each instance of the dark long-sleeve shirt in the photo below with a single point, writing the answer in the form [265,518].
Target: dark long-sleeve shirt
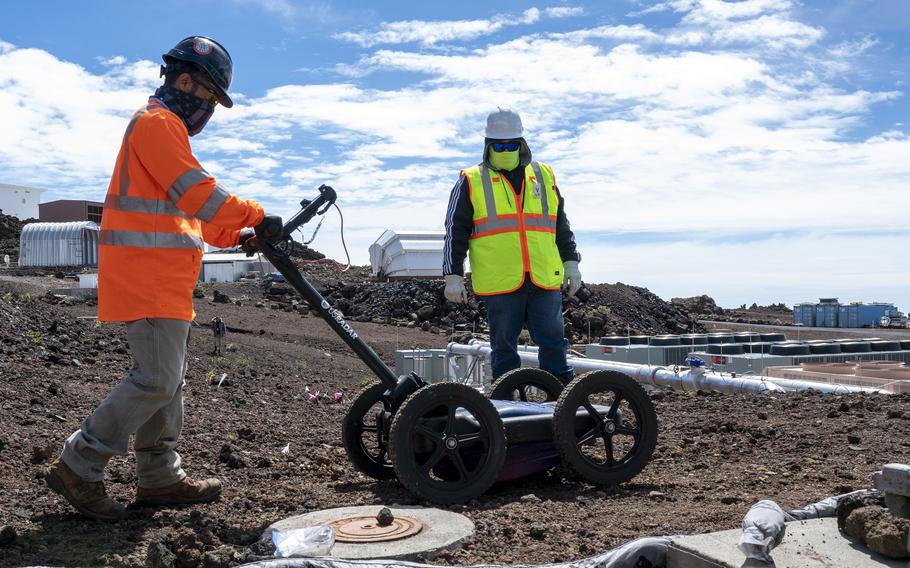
[460,223]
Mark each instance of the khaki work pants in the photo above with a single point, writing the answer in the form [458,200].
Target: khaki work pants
[147,402]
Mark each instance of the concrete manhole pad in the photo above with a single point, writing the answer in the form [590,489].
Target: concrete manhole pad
[441,530]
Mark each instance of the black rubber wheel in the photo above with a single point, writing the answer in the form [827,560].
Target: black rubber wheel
[605,427]
[447,443]
[514,385]
[364,436]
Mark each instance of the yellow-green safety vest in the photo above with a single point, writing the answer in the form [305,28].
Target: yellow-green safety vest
[513,235]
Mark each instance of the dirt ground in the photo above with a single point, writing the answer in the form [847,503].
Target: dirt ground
[716,454]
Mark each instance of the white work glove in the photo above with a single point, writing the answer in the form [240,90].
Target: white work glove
[572,280]
[455,291]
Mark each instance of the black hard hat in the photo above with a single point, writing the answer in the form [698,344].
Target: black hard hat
[211,57]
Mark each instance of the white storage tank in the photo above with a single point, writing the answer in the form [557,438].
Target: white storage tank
[416,254]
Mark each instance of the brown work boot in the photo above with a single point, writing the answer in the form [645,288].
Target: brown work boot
[185,491]
[88,497]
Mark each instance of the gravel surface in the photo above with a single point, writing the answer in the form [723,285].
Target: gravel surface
[716,454]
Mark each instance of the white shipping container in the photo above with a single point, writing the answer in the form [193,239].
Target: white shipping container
[416,254]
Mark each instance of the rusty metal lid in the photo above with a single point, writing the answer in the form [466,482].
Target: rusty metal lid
[365,528]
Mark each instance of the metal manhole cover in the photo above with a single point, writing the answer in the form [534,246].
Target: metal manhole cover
[365,528]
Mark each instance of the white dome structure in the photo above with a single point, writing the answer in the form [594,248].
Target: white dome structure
[59,244]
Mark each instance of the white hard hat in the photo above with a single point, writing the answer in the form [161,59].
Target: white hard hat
[504,125]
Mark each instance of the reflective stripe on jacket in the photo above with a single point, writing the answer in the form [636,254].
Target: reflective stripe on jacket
[514,232]
[159,209]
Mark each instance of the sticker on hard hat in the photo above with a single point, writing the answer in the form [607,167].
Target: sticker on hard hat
[202,47]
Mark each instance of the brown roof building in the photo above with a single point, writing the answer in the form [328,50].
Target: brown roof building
[70,210]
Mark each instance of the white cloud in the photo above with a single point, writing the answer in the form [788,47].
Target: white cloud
[708,11]
[848,49]
[703,126]
[62,124]
[432,32]
[112,61]
[563,11]
[772,30]
[758,22]
[427,33]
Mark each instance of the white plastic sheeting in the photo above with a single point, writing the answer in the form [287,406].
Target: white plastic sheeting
[407,255]
[59,244]
[764,526]
[648,552]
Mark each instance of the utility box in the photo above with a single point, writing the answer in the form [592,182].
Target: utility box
[429,364]
[826,315]
[804,314]
[857,314]
[400,256]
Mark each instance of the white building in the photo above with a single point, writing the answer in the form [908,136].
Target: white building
[59,244]
[18,201]
[402,255]
[228,267]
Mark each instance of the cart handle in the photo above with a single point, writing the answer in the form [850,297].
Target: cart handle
[310,209]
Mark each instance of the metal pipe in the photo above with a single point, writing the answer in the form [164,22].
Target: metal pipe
[689,379]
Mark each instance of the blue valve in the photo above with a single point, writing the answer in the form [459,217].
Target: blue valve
[695,362]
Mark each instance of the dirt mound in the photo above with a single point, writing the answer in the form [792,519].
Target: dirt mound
[620,308]
[611,308]
[698,305]
[705,308]
[10,228]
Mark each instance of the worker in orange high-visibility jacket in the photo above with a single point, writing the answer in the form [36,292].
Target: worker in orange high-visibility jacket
[161,206]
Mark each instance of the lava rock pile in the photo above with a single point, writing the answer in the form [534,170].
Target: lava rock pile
[611,308]
[10,228]
[33,329]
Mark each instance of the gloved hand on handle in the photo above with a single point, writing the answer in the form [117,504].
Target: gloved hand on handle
[455,291]
[572,280]
[270,229]
[246,245]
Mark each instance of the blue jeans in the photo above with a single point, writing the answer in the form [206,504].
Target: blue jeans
[541,311]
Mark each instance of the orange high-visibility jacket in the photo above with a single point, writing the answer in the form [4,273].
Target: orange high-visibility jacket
[160,207]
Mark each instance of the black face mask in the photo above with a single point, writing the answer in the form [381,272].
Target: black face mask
[194,112]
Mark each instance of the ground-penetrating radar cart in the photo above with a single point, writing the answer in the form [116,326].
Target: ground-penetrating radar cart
[448,443]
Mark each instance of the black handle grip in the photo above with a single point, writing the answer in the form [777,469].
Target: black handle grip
[310,209]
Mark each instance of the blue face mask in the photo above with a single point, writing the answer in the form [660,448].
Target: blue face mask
[193,111]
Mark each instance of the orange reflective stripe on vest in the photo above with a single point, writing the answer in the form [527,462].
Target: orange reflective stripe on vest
[513,234]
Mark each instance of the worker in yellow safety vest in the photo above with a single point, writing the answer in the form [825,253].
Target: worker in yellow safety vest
[508,215]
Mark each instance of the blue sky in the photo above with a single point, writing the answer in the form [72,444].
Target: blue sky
[754,150]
